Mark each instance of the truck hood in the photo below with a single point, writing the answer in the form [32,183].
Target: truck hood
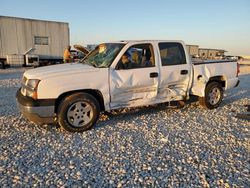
[59,70]
[84,50]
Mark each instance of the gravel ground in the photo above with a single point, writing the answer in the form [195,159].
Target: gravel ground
[158,146]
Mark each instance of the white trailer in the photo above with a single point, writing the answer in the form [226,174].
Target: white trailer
[48,38]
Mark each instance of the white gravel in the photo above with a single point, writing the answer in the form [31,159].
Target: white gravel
[152,147]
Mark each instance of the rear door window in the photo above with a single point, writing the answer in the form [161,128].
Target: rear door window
[172,54]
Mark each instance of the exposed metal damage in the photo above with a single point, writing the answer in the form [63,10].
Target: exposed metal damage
[202,73]
[125,74]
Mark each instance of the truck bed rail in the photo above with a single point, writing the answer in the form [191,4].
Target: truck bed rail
[212,61]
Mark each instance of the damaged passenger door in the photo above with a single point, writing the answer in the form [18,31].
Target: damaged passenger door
[134,81]
[175,72]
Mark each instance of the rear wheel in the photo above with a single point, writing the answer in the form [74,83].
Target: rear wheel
[213,96]
[78,112]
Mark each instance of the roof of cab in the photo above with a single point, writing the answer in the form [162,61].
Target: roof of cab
[135,41]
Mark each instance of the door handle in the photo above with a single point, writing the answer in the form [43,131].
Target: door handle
[153,74]
[184,71]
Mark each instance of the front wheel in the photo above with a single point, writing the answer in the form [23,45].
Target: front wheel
[213,96]
[78,112]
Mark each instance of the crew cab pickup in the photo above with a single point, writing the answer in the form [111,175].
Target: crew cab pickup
[119,75]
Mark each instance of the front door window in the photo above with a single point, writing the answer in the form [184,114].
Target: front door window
[137,56]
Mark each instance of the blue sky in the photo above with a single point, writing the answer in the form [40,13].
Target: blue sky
[223,24]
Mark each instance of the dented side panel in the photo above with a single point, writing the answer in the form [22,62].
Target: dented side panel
[200,78]
[173,84]
[203,72]
[132,87]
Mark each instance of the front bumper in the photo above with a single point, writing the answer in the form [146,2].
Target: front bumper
[39,111]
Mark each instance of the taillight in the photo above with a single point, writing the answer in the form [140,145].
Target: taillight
[238,69]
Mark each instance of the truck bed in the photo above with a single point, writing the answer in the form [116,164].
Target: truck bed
[203,71]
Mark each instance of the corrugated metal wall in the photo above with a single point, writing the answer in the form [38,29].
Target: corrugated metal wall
[17,36]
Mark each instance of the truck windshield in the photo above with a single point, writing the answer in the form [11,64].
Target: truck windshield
[103,55]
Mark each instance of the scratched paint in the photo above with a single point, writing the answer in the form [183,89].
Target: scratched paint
[132,87]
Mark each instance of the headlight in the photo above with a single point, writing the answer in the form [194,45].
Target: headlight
[33,83]
[29,88]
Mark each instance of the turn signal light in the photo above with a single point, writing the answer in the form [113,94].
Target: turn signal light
[34,95]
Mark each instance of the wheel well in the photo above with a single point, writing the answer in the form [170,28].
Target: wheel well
[220,79]
[95,93]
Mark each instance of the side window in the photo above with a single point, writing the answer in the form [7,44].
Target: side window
[137,56]
[41,40]
[172,54]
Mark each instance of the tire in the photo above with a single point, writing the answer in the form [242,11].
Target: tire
[213,96]
[2,63]
[78,112]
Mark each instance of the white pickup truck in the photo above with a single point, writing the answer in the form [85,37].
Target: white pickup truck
[118,75]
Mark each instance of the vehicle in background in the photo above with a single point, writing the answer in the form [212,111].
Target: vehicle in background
[76,55]
[229,57]
[119,75]
[79,53]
